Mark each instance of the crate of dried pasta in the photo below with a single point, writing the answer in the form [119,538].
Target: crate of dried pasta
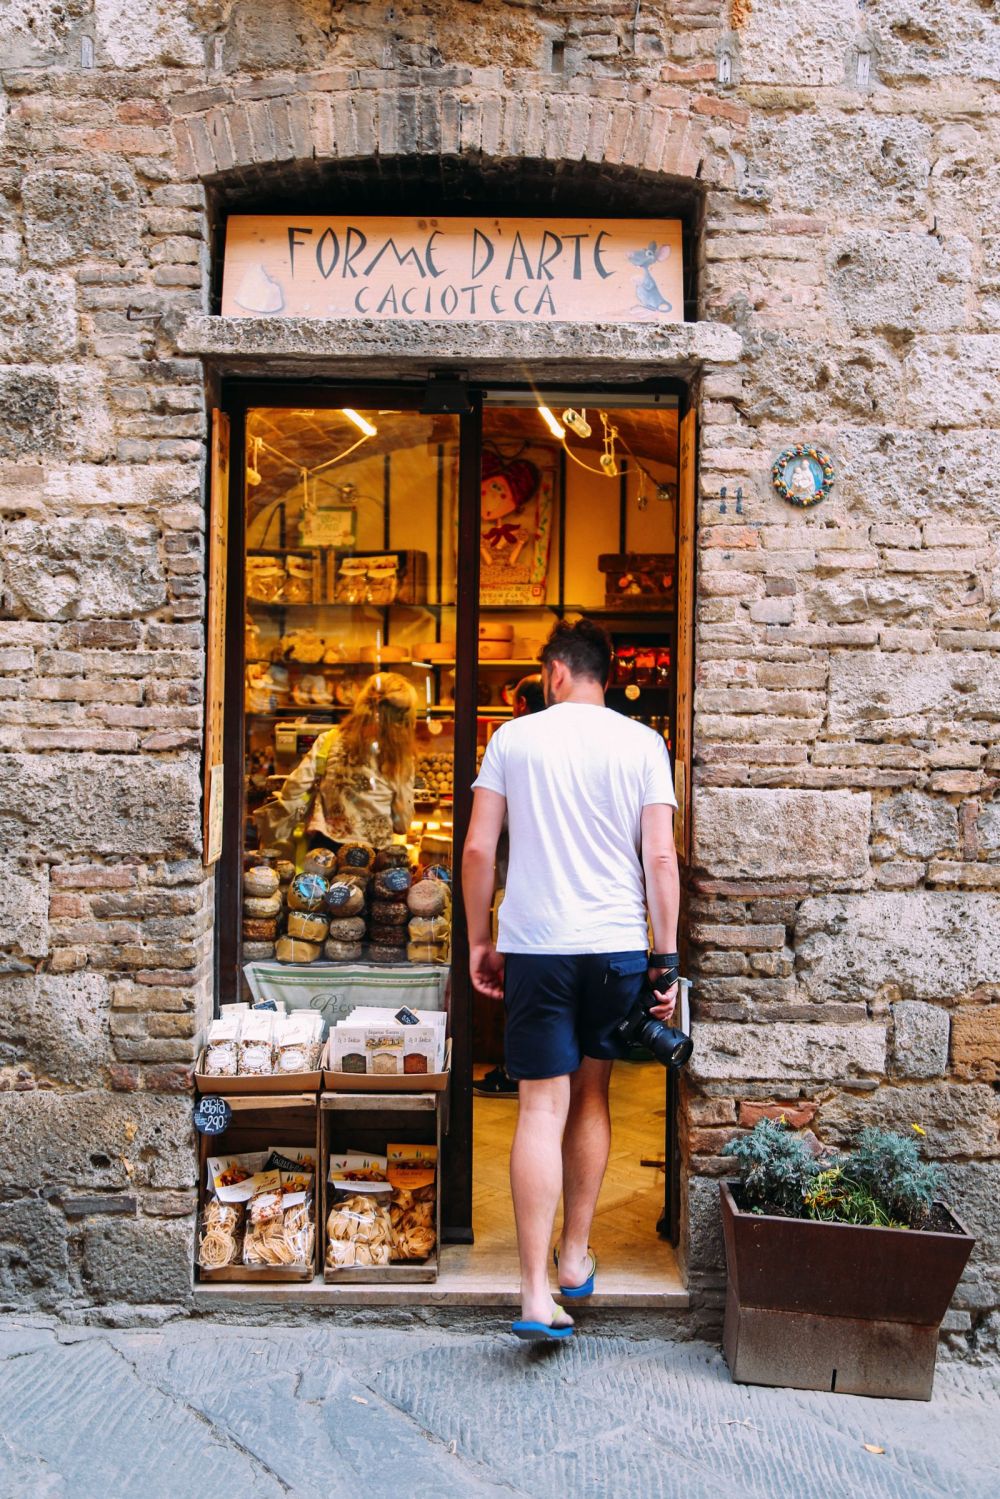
[381,1212]
[260,1204]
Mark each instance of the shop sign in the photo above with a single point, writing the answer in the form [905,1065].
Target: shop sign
[451,270]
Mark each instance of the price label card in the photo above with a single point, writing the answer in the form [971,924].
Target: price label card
[212,1115]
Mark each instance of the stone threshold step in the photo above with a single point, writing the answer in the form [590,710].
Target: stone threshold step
[444,1292]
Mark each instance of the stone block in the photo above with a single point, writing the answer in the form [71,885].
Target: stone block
[705,1247]
[82,569]
[900,282]
[799,44]
[959,1121]
[96,1141]
[24,906]
[975,1043]
[957,377]
[896,476]
[919,945]
[29,413]
[856,164]
[34,1253]
[876,693]
[973,1190]
[915,824]
[72,215]
[988,828]
[776,834]
[37,316]
[779,1051]
[138,1260]
[919,1041]
[56,1025]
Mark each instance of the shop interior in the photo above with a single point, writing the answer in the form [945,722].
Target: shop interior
[350,546]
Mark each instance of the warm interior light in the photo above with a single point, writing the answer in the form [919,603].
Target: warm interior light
[359,421]
[550,421]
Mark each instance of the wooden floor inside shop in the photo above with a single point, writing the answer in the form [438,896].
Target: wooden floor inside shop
[637,1268]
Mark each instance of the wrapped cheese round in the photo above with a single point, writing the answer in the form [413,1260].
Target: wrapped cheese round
[380,952]
[262,905]
[260,881]
[347,929]
[344,898]
[260,929]
[360,878]
[257,952]
[439,872]
[355,856]
[390,912]
[391,884]
[311,928]
[294,950]
[429,929]
[393,856]
[427,952]
[427,898]
[343,952]
[285,870]
[322,861]
[387,936]
[307,892]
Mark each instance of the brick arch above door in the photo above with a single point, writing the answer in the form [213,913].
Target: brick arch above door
[644,134]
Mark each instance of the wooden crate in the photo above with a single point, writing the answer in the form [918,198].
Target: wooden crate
[263,1085]
[368,1122]
[257,1122]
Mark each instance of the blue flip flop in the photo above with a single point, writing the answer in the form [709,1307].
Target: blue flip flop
[578,1293]
[541,1332]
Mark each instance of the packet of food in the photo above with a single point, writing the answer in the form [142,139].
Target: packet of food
[359,1171]
[358,1229]
[298,1041]
[220,1242]
[255,1047]
[230,1177]
[412,1171]
[221,1046]
[291,1157]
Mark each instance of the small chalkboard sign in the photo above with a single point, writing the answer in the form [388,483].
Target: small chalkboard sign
[212,1115]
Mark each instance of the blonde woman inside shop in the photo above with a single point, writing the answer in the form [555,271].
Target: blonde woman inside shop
[356,782]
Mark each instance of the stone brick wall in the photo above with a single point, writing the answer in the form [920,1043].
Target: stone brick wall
[844,897]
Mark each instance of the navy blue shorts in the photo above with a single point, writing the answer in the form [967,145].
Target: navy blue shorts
[561,1009]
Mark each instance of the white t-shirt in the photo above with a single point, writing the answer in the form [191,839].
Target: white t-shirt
[576,778]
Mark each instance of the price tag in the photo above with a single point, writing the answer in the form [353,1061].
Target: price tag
[212,1115]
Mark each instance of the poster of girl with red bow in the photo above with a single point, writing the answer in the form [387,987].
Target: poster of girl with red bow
[517,503]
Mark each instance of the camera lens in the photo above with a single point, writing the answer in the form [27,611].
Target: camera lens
[669,1046]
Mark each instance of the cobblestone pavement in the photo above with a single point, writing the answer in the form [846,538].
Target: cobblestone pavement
[198,1408]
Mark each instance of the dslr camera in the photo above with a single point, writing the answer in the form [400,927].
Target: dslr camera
[670,1046]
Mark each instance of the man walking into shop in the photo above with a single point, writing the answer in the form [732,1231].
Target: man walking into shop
[589,799]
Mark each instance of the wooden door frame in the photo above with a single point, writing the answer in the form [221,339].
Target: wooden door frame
[239,396]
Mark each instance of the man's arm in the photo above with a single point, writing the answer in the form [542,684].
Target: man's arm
[663,892]
[478,859]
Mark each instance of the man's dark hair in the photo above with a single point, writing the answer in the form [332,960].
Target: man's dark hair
[583,647]
[530,689]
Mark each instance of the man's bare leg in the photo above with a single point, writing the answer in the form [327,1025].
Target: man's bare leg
[586,1144]
[536,1181]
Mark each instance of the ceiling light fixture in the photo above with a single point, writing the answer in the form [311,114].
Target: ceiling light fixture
[359,421]
[554,427]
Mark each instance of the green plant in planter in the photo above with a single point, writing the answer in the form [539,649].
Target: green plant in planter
[777,1168]
[881,1181]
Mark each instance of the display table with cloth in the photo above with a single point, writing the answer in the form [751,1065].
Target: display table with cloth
[336,988]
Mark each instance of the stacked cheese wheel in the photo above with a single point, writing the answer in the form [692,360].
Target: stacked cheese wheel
[261,911]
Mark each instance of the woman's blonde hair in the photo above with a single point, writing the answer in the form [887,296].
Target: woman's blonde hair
[384,715]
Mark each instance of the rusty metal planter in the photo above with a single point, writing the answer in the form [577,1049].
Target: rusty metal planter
[834,1306]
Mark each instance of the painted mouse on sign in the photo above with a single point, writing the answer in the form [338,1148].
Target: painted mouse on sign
[647,292]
